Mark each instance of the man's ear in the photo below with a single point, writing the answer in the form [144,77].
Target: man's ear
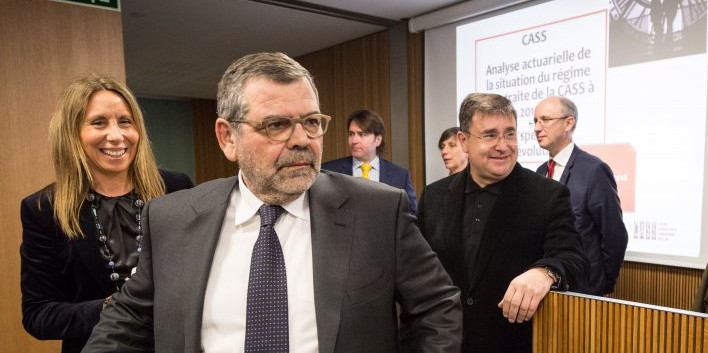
[225,134]
[378,140]
[462,140]
[570,123]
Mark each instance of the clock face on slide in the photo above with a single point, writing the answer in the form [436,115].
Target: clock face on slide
[652,21]
[646,30]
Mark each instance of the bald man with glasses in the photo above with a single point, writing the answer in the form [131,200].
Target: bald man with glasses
[593,192]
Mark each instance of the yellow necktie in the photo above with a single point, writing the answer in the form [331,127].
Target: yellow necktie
[365,168]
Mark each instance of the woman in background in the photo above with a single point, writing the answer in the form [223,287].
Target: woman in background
[453,156]
[81,234]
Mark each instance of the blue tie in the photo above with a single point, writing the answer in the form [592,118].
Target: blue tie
[267,308]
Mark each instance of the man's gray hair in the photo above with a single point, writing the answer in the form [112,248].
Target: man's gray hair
[483,104]
[277,67]
[568,108]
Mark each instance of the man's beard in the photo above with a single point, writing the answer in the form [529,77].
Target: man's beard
[276,185]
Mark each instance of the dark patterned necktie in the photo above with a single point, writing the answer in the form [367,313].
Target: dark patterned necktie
[267,308]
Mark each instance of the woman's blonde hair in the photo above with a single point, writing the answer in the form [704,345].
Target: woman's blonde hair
[71,166]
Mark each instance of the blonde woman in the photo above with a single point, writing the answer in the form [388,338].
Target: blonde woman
[81,235]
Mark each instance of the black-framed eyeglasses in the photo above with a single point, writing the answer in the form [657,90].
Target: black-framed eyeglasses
[544,120]
[281,128]
[492,138]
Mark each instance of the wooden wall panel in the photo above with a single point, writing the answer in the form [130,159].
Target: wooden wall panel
[567,323]
[45,45]
[350,76]
[416,147]
[209,160]
[321,66]
[662,285]
[362,82]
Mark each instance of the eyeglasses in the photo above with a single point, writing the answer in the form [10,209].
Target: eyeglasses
[281,128]
[544,120]
[492,138]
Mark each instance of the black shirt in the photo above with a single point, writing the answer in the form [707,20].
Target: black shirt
[478,205]
[117,216]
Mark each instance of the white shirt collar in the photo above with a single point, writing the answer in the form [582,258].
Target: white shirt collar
[563,156]
[374,163]
[248,204]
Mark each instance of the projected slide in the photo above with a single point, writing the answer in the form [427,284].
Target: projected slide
[637,71]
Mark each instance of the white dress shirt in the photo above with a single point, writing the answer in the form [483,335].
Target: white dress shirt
[374,172]
[224,316]
[562,159]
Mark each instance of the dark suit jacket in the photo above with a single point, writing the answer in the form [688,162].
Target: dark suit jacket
[64,282]
[390,174]
[364,259]
[530,225]
[598,218]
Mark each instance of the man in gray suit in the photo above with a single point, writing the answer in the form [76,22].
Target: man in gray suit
[345,260]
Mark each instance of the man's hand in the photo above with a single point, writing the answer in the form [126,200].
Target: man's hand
[524,294]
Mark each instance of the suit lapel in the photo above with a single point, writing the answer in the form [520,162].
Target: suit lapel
[332,233]
[543,169]
[569,167]
[385,173]
[454,210]
[200,238]
[346,166]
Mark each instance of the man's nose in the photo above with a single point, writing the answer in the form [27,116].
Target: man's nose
[501,143]
[299,137]
[537,126]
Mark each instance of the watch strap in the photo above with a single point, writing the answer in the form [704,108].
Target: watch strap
[554,276]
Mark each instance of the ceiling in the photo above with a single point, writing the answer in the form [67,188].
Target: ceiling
[180,48]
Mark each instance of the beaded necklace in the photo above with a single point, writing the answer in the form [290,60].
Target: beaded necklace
[93,199]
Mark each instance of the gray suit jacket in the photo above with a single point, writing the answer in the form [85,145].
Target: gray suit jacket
[366,256]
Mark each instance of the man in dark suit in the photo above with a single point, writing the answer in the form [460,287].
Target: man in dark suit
[366,144]
[330,279]
[504,233]
[593,192]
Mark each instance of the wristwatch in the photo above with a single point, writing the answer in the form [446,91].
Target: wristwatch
[554,276]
